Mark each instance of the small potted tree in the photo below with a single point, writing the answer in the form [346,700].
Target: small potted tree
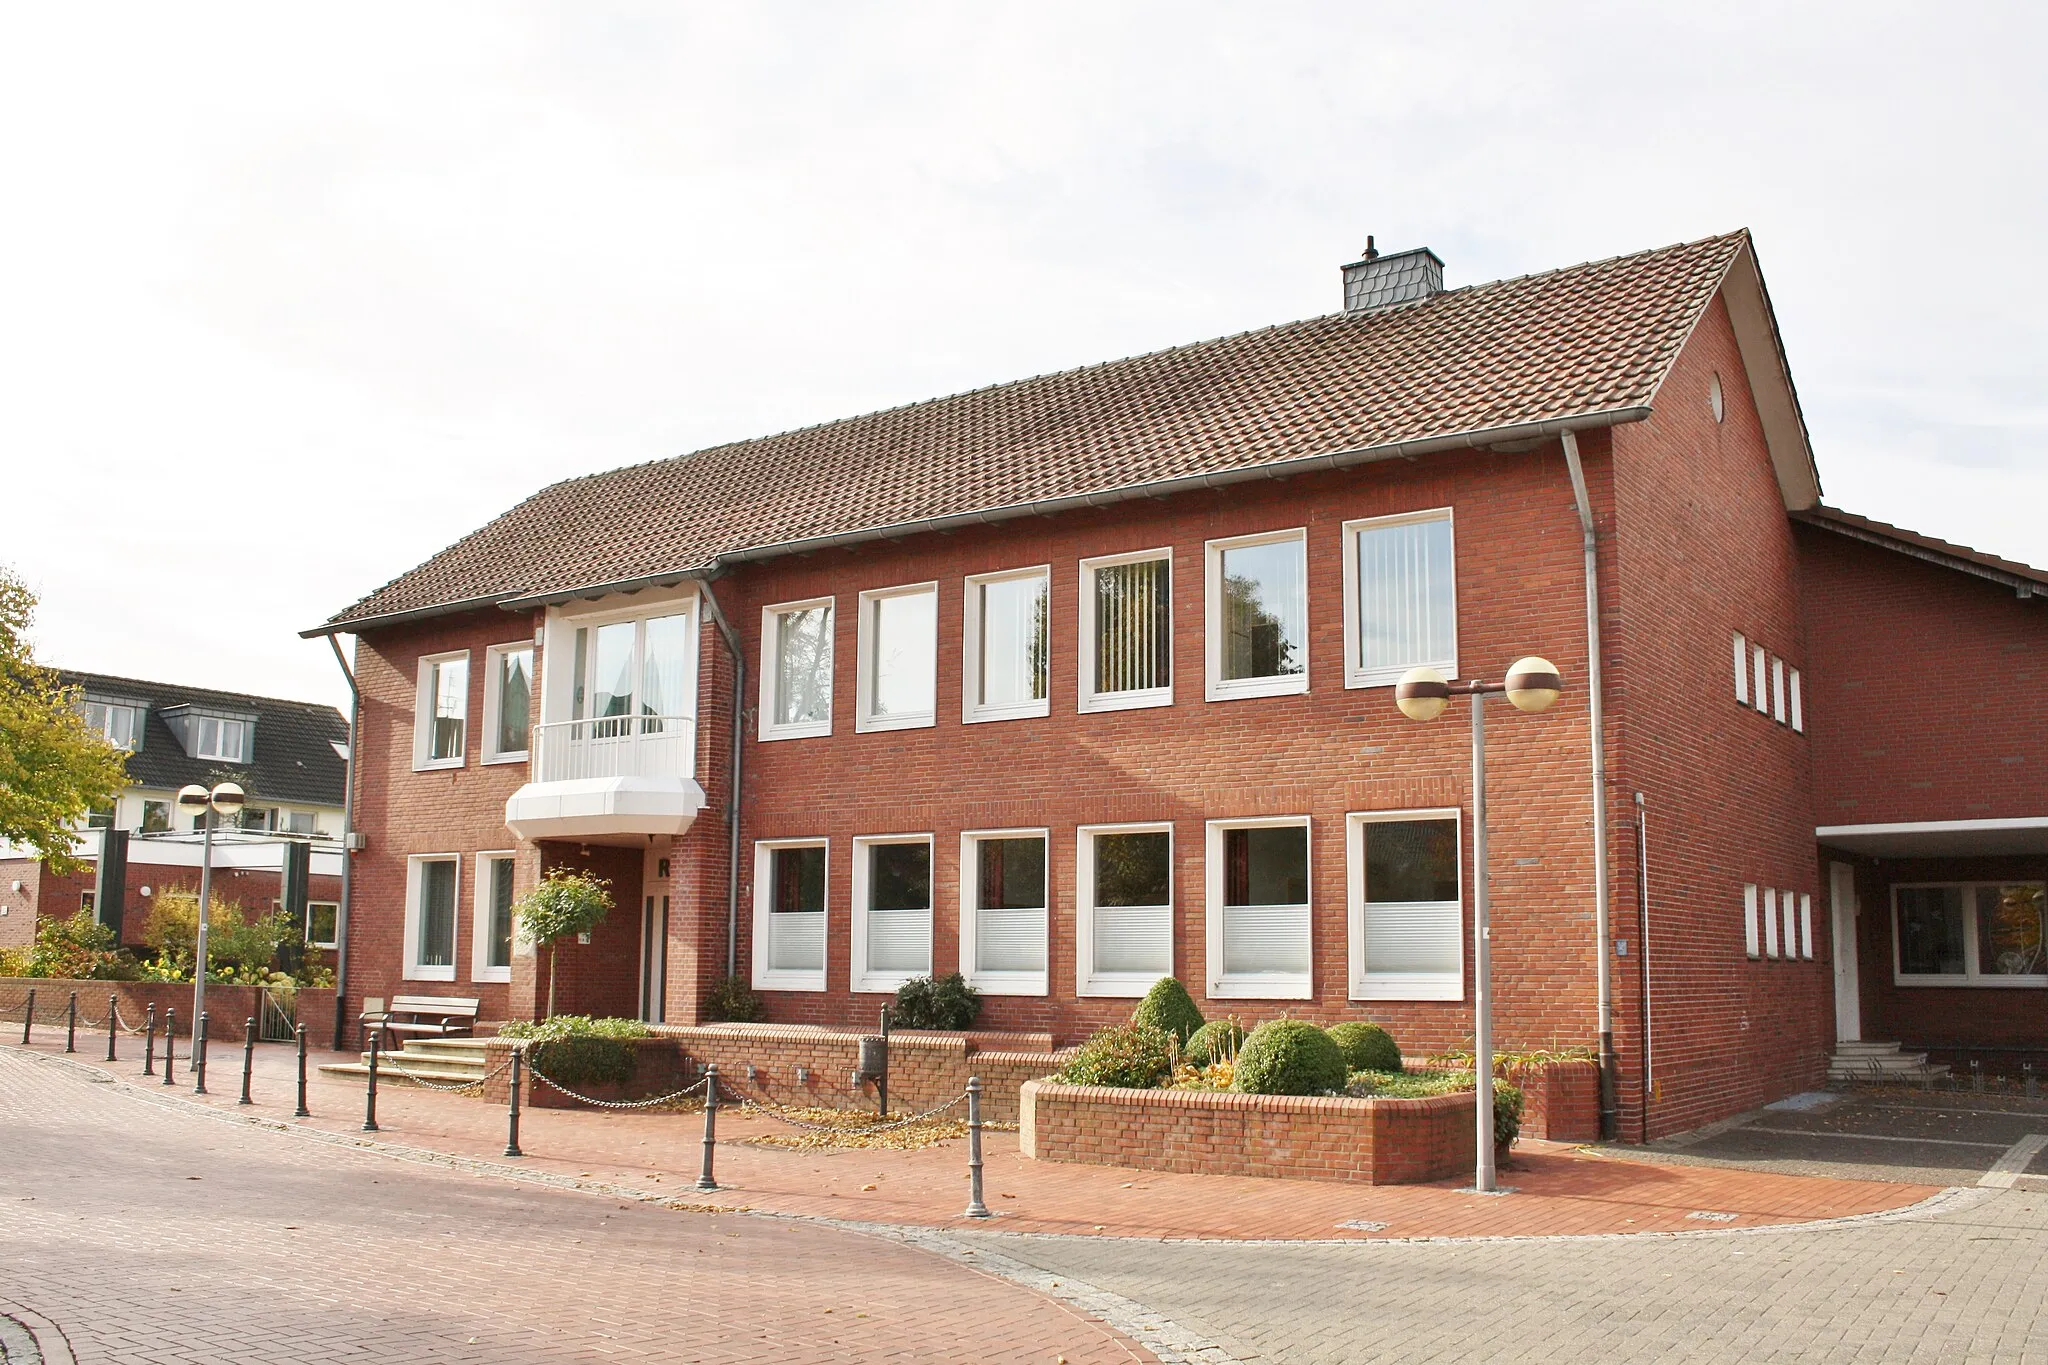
[565,903]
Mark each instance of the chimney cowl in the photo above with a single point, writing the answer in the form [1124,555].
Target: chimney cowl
[1375,281]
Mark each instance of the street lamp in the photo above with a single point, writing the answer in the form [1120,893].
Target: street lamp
[1532,685]
[195,800]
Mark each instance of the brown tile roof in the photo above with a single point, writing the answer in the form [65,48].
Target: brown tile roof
[1588,339]
[1959,557]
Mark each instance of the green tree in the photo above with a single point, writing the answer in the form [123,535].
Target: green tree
[52,768]
[564,903]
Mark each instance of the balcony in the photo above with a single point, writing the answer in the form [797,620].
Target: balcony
[615,779]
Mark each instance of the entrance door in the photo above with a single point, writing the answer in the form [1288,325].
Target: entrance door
[653,959]
[1848,1000]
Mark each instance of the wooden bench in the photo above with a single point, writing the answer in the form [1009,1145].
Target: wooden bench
[435,1016]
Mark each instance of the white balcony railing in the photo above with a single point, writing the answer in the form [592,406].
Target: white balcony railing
[615,746]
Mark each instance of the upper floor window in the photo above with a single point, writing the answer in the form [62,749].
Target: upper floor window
[898,647]
[635,668]
[1977,934]
[156,816]
[796,669]
[1400,597]
[1259,909]
[215,737]
[299,822]
[1257,615]
[119,725]
[442,714]
[508,701]
[1127,631]
[1007,643]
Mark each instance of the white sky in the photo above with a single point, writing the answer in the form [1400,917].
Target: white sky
[293,296]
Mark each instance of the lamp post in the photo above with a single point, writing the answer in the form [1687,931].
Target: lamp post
[1532,684]
[224,799]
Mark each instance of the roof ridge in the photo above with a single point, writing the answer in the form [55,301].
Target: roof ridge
[85,673]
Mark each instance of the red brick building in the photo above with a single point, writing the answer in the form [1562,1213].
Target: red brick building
[1075,682]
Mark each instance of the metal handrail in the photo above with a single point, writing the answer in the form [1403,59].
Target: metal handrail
[614,746]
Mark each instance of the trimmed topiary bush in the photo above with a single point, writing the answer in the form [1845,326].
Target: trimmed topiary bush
[1128,1056]
[946,1003]
[1168,1006]
[1289,1057]
[1216,1041]
[1366,1047]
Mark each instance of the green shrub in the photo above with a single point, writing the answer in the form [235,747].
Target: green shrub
[1219,1040]
[1128,1056]
[1289,1057]
[80,948]
[733,1001]
[1507,1116]
[14,961]
[1169,1007]
[945,1002]
[1366,1047]
[1415,1085]
[576,1050]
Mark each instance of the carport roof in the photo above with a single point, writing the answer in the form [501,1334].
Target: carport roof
[2024,834]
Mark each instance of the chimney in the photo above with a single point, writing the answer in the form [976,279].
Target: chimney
[1374,281]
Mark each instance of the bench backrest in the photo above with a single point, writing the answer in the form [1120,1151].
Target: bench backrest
[435,1004]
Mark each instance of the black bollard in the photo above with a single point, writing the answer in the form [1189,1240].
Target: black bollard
[170,1041]
[149,1040]
[199,1056]
[975,1208]
[248,1059]
[113,1014]
[28,1021]
[704,1178]
[302,1112]
[882,1084]
[370,1098]
[512,1109]
[71,1025]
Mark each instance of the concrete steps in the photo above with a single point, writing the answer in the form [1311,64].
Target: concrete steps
[442,1061]
[1879,1062]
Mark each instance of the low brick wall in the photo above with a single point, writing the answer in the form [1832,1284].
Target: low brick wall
[226,1006]
[1371,1141]
[1560,1101]
[659,1068]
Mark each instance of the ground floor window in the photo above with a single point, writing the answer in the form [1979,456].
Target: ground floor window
[892,910]
[491,953]
[1969,933]
[789,915]
[1003,911]
[430,917]
[1406,905]
[1123,908]
[1258,909]
[322,918]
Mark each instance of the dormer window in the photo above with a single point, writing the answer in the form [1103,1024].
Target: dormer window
[215,737]
[118,723]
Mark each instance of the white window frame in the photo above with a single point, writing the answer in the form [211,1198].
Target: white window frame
[423,714]
[771,653]
[1798,704]
[872,982]
[493,704]
[1752,929]
[413,969]
[767,977]
[237,754]
[1090,699]
[1806,926]
[307,928]
[1741,669]
[1219,688]
[1265,985]
[480,920]
[1770,918]
[1973,976]
[1759,658]
[1367,984]
[864,721]
[1000,983]
[1089,983]
[105,728]
[971,711]
[1777,689]
[1354,626]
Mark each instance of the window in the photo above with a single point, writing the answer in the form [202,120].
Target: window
[156,817]
[1003,911]
[1741,670]
[258,818]
[633,676]
[1259,909]
[1123,908]
[218,737]
[1006,645]
[1257,615]
[1400,597]
[119,725]
[892,910]
[898,648]
[322,917]
[299,822]
[1127,631]
[491,930]
[1806,925]
[1798,705]
[508,701]
[789,915]
[100,817]
[1761,682]
[1970,933]
[443,711]
[1752,928]
[1777,689]
[88,902]
[796,670]
[430,917]
[1770,915]
[1406,906]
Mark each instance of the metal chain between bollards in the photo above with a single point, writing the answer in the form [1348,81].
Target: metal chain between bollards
[649,1103]
[425,1082]
[810,1127]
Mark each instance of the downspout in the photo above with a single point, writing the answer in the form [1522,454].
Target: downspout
[1610,1107]
[1643,960]
[348,830]
[732,797]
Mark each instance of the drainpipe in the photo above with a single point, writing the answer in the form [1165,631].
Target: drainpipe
[1610,1107]
[732,798]
[348,829]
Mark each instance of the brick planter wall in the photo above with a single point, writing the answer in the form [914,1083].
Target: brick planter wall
[1560,1101]
[226,1006]
[1372,1141]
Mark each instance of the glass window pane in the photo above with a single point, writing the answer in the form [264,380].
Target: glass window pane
[904,678]
[1265,866]
[2009,930]
[797,880]
[450,688]
[514,684]
[1405,613]
[1012,874]
[1264,607]
[803,665]
[899,877]
[1133,634]
[1133,869]
[437,914]
[1930,930]
[320,921]
[1411,860]
[665,653]
[499,948]
[156,816]
[1013,653]
[611,673]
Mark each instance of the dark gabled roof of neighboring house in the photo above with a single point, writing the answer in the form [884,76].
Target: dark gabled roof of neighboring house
[296,759]
[2025,579]
[1584,346]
